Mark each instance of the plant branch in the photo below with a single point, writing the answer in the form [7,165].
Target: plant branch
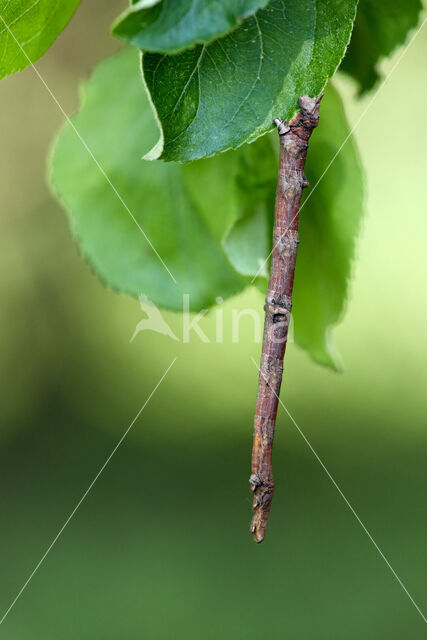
[294,137]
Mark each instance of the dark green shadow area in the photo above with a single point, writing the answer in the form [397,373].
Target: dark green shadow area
[160,547]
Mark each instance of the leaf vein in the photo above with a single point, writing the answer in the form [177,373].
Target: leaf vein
[258,77]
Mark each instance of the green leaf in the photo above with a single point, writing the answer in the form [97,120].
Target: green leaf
[34,24]
[380,26]
[184,210]
[169,27]
[211,220]
[216,97]
[329,223]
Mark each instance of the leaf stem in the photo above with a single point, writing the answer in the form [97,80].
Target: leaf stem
[294,137]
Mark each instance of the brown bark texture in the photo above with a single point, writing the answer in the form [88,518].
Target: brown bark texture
[294,137]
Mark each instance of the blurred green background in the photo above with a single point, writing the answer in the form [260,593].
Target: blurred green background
[160,548]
